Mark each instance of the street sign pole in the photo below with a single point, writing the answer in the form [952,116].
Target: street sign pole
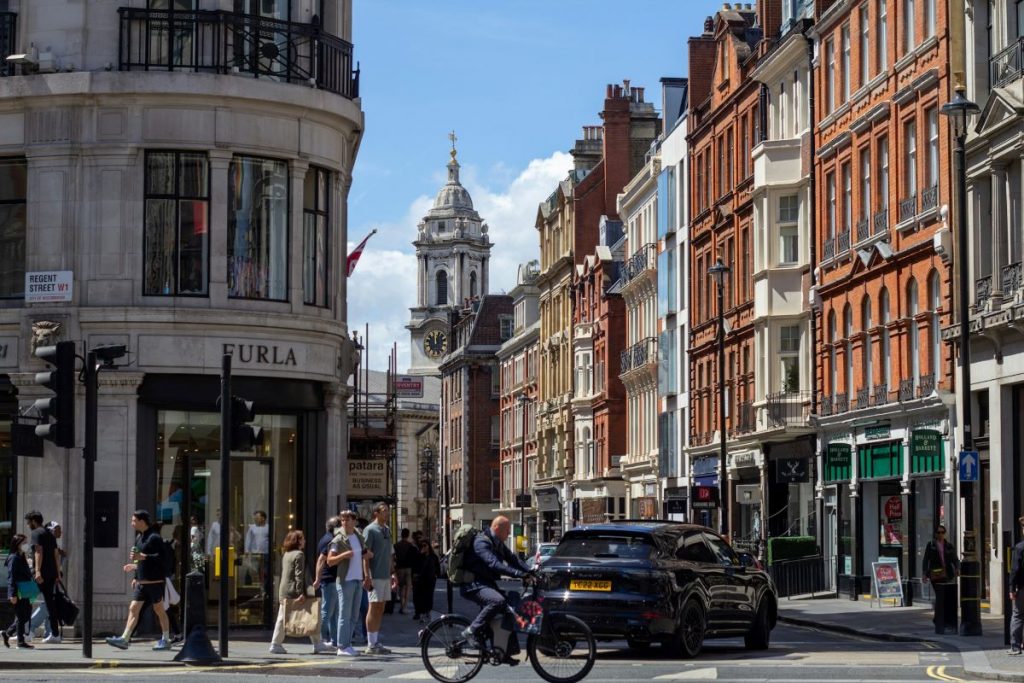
[89,493]
[225,499]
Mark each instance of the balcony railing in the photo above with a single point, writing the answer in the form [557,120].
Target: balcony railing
[863,399]
[639,354]
[1007,64]
[1010,278]
[843,242]
[925,385]
[906,389]
[929,198]
[830,249]
[842,404]
[982,289]
[881,222]
[863,229]
[229,42]
[8,39]
[880,394]
[788,408]
[826,404]
[908,208]
[645,258]
[745,419]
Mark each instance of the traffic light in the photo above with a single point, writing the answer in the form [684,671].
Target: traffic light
[60,380]
[244,436]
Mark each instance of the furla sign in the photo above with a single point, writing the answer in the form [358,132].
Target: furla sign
[260,354]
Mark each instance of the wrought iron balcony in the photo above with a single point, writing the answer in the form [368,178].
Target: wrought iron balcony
[880,394]
[745,422]
[982,289]
[826,404]
[230,42]
[8,40]
[925,385]
[830,249]
[908,208]
[881,222]
[843,242]
[645,258]
[1010,278]
[842,403]
[863,229]
[788,408]
[1006,65]
[906,390]
[929,198]
[639,354]
[863,399]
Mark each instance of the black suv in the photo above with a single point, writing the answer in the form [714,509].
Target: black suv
[664,582]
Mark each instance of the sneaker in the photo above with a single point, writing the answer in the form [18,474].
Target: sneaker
[162,645]
[468,635]
[1013,651]
[118,642]
[179,638]
[53,640]
[277,649]
[6,637]
[347,652]
[377,649]
[26,646]
[322,648]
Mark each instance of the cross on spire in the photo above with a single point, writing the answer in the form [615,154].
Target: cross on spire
[454,138]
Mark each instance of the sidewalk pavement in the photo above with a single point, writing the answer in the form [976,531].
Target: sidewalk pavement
[983,656]
[399,633]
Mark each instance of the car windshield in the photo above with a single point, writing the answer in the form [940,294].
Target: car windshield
[605,545]
[546,550]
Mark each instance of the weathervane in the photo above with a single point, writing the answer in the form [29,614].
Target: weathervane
[453,138]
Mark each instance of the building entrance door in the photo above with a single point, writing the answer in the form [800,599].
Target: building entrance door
[830,540]
[253,569]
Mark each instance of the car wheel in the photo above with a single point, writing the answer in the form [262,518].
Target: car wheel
[689,637]
[759,636]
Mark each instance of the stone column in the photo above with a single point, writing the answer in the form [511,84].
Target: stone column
[220,160]
[999,230]
[297,170]
[336,438]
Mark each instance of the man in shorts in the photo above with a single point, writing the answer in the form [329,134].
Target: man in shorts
[150,572]
[378,572]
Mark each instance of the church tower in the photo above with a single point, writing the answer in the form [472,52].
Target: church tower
[452,253]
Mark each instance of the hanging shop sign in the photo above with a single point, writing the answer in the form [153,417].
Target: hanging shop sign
[926,451]
[792,471]
[705,497]
[367,478]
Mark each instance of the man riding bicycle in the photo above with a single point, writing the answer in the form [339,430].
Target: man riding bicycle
[489,560]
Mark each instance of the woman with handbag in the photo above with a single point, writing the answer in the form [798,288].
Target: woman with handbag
[291,592]
[941,568]
[21,588]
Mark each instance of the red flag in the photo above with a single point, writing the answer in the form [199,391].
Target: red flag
[353,258]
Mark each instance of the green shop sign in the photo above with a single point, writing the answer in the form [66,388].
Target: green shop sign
[881,460]
[838,462]
[926,451]
[879,431]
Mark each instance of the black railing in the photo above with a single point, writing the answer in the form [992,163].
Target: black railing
[926,385]
[1006,65]
[8,39]
[982,289]
[863,230]
[842,403]
[786,408]
[880,394]
[803,576]
[843,242]
[645,258]
[830,249]
[639,354]
[745,419]
[229,42]
[929,198]
[826,404]
[908,208]
[863,398]
[881,221]
[1010,277]
[906,389]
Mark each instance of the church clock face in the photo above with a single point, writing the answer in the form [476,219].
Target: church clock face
[435,344]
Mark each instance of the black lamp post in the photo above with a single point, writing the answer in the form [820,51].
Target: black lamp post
[427,480]
[958,109]
[523,401]
[719,271]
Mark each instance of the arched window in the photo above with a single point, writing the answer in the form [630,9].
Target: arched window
[866,365]
[472,284]
[883,319]
[833,372]
[934,341]
[914,350]
[441,289]
[847,334]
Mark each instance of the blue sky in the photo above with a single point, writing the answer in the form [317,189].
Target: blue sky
[516,80]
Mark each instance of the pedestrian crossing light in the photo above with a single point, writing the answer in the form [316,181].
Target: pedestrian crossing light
[244,436]
[61,381]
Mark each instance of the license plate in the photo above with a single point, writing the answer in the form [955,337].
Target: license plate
[582,585]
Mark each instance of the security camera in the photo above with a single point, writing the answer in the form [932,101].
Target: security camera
[28,60]
[108,354]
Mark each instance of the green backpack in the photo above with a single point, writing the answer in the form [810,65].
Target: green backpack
[461,545]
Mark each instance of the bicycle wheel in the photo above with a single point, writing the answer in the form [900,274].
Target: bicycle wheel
[564,650]
[448,656]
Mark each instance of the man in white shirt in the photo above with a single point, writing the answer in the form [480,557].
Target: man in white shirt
[257,544]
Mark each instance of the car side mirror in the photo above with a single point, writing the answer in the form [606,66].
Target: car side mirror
[747,560]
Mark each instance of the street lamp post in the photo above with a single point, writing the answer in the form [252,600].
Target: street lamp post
[523,400]
[958,109]
[427,479]
[719,271]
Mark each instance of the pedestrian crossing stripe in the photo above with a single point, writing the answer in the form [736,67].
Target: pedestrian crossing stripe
[414,675]
[709,674]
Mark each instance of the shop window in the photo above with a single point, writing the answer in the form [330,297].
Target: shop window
[258,228]
[316,221]
[13,192]
[177,236]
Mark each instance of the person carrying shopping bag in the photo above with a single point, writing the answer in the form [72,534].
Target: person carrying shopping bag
[291,593]
[941,567]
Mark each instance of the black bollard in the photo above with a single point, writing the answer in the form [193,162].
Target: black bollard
[197,648]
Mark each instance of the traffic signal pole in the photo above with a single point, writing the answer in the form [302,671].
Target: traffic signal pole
[89,477]
[225,499]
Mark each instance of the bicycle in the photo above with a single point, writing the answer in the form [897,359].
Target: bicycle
[560,647]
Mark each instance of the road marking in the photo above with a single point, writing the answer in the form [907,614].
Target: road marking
[414,675]
[693,674]
[939,674]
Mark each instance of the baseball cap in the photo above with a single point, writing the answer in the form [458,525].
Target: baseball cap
[53,525]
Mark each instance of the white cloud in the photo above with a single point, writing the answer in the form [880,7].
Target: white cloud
[383,287]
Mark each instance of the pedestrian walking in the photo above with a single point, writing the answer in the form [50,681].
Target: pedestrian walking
[379,570]
[292,587]
[46,563]
[147,560]
[21,589]
[405,560]
[346,554]
[326,577]
[941,567]
[424,582]
[1017,595]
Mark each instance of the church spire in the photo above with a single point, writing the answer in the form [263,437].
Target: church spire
[453,165]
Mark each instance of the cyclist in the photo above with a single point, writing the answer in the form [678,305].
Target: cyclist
[489,560]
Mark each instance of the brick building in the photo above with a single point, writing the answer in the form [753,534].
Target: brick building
[723,128]
[470,386]
[882,289]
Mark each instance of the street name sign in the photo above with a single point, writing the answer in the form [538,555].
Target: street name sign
[48,286]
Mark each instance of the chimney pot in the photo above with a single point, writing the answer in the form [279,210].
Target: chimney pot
[726,5]
[608,92]
[639,94]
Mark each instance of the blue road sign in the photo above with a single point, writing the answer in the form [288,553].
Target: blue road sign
[969,465]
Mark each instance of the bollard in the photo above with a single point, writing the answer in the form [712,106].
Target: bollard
[197,648]
[451,599]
